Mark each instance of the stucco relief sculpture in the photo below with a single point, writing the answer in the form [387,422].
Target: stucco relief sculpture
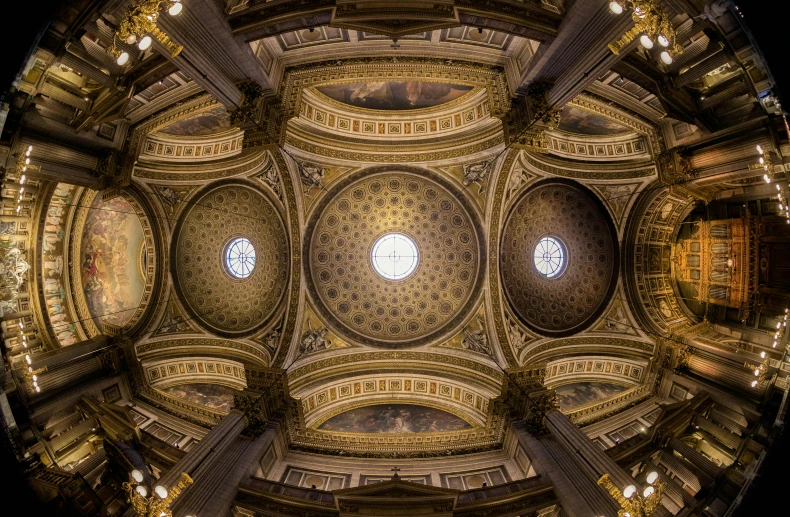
[312,176]
[314,340]
[477,173]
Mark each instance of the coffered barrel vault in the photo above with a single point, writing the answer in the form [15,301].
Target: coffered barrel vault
[376,257]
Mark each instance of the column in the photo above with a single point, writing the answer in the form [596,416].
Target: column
[213,444]
[695,458]
[219,480]
[589,456]
[579,495]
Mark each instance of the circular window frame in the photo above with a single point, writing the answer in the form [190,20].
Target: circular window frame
[377,266]
[563,259]
[226,258]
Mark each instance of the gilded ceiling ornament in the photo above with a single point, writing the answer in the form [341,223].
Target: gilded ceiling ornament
[311,175]
[248,111]
[518,337]
[540,106]
[519,178]
[271,178]
[173,324]
[616,320]
[271,340]
[617,198]
[314,340]
[477,173]
[476,340]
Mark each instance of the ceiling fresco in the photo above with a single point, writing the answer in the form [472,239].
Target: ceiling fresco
[574,120]
[210,122]
[394,95]
[571,396]
[52,255]
[214,396]
[396,419]
[111,259]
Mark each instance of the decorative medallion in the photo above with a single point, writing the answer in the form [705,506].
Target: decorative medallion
[439,243]
[231,259]
[559,258]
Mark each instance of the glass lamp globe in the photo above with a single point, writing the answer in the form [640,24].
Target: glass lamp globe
[137,476]
[123,58]
[648,491]
[629,491]
[161,491]
[175,9]
[141,490]
[666,58]
[145,43]
[616,8]
[131,40]
[652,477]
[646,41]
[663,41]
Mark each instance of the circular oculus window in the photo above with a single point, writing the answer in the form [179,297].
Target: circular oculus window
[240,258]
[550,257]
[394,256]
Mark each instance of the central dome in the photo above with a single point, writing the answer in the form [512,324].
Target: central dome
[375,217]
[558,258]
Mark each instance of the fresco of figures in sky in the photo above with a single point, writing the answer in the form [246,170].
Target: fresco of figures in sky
[111,248]
[214,396]
[60,206]
[574,120]
[210,122]
[394,95]
[571,396]
[394,418]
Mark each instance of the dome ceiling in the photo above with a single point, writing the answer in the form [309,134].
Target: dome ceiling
[574,297]
[431,300]
[223,302]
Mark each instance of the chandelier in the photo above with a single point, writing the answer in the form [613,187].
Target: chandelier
[632,502]
[156,504]
[139,24]
[763,162]
[652,23]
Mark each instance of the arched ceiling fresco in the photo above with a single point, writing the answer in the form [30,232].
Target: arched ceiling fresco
[394,95]
[112,261]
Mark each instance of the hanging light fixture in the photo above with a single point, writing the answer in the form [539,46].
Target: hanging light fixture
[139,25]
[158,503]
[634,503]
[651,24]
